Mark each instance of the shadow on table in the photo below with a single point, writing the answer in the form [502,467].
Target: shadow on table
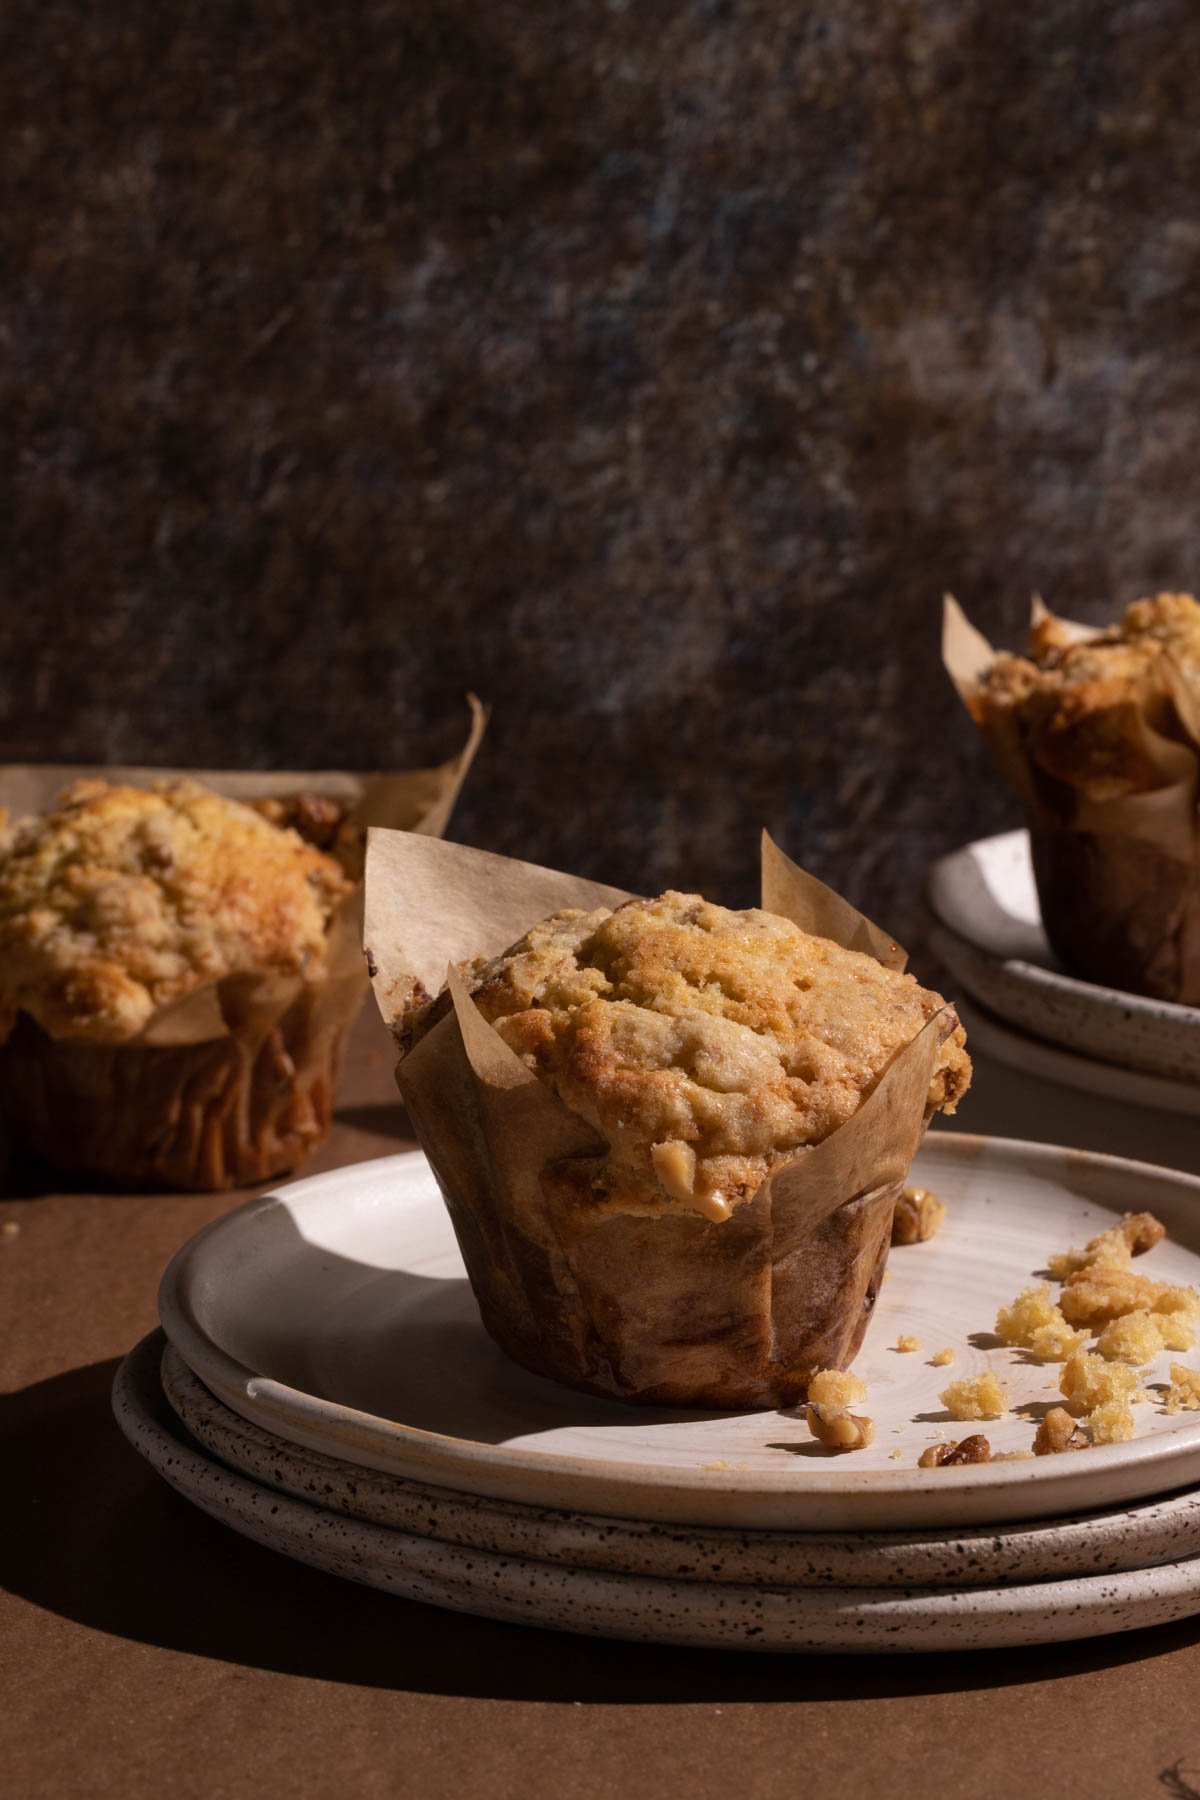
[88,1531]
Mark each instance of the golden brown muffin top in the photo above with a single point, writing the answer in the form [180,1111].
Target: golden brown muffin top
[124,899]
[1082,699]
[705,1046]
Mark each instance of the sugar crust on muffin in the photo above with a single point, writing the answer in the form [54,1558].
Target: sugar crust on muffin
[1081,699]
[704,1045]
[124,899]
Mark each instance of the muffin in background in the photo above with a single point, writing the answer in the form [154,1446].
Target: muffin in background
[1098,731]
[176,977]
[670,1137]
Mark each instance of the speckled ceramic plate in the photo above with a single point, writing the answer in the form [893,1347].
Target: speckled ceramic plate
[989,935]
[1095,1544]
[1032,1056]
[720,1615]
[335,1313]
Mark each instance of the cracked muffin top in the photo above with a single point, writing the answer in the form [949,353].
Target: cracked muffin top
[1081,700]
[705,1046]
[124,899]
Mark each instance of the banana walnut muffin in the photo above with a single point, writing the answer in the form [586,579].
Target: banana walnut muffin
[173,985]
[705,1046]
[1082,700]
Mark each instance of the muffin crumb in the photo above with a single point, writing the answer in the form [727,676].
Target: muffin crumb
[906,1343]
[1134,1338]
[1183,1395]
[976,1397]
[941,1359]
[1035,1323]
[836,1387]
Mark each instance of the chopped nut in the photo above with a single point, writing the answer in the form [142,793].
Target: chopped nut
[836,1387]
[941,1358]
[976,1397]
[918,1216]
[1057,1432]
[908,1343]
[1142,1231]
[974,1449]
[675,1165]
[1183,1395]
[1135,1338]
[839,1429]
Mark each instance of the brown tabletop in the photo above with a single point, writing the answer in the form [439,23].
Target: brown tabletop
[147,1649]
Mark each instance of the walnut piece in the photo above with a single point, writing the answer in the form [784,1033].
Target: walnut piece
[1057,1432]
[838,1428]
[974,1449]
[918,1216]
[1142,1231]
[976,1397]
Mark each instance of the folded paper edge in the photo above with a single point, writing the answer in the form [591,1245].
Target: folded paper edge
[790,892]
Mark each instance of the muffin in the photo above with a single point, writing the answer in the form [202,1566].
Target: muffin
[176,975]
[671,1137]
[1099,732]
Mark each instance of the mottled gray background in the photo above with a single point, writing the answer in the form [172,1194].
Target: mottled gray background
[649,368]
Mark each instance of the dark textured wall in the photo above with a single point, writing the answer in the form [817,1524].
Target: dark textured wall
[650,368]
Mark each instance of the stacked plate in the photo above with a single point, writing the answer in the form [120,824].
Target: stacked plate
[324,1386]
[1029,1011]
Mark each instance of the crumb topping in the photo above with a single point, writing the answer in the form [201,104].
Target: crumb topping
[705,1046]
[1080,700]
[124,899]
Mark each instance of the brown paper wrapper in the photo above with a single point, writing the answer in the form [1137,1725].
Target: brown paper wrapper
[234,1083]
[674,1309]
[1118,879]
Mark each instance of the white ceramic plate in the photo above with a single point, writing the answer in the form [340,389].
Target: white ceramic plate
[1032,1056]
[335,1313]
[1093,1544]
[989,935]
[725,1615]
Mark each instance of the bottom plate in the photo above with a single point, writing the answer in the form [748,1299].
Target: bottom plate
[647,1609]
[1033,1056]
[1091,1544]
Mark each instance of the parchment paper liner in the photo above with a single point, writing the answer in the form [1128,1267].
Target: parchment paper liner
[672,1309]
[1118,880]
[235,1082]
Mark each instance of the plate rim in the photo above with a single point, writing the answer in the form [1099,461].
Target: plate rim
[1072,1601]
[634,1489]
[1062,1063]
[1054,978]
[957,1555]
